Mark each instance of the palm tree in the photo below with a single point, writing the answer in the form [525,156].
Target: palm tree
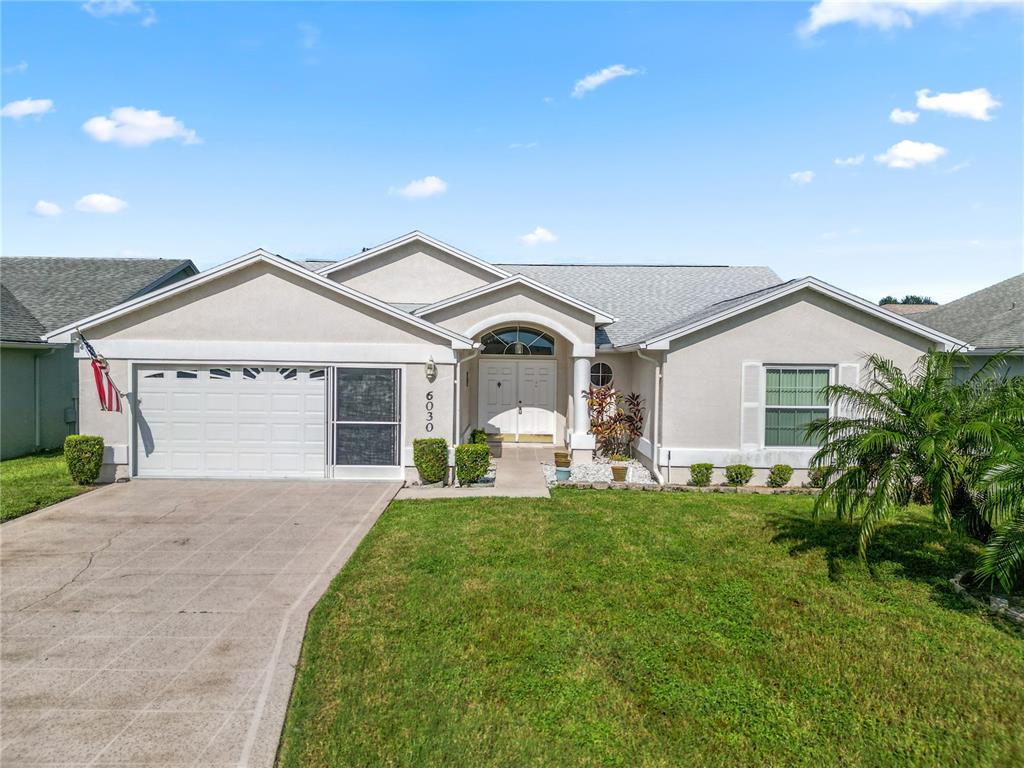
[1003,558]
[919,434]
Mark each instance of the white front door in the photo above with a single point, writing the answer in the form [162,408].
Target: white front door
[517,397]
[536,397]
[498,396]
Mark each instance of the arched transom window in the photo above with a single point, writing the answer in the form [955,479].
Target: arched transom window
[518,340]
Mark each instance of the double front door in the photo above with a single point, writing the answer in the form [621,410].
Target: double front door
[517,399]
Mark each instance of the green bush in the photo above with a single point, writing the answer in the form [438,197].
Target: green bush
[779,475]
[84,457]
[430,454]
[478,437]
[700,474]
[738,474]
[816,478]
[472,461]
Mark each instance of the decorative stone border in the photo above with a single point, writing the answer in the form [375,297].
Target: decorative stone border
[997,605]
[677,487]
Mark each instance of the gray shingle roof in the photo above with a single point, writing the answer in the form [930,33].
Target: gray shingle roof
[17,323]
[648,299]
[992,318]
[57,291]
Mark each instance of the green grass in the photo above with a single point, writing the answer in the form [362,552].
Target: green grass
[33,482]
[641,629]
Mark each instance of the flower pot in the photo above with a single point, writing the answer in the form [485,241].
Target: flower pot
[563,463]
[562,474]
[619,472]
[561,456]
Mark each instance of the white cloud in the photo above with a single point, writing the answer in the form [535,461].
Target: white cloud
[525,145]
[975,104]
[102,9]
[149,19]
[846,162]
[888,14]
[428,186]
[959,167]
[597,79]
[309,35]
[17,69]
[908,154]
[133,127]
[802,177]
[903,116]
[25,107]
[97,202]
[539,235]
[45,208]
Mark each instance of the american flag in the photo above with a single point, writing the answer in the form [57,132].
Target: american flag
[110,395]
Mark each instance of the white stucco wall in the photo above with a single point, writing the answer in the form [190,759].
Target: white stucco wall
[703,372]
[414,273]
[263,314]
[523,305]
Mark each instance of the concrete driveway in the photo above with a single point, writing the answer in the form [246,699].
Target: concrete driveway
[158,622]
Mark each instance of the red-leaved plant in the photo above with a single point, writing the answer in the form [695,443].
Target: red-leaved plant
[616,420]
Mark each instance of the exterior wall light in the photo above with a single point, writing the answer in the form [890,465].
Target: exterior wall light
[431,369]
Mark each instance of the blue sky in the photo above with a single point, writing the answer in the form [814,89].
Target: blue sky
[298,127]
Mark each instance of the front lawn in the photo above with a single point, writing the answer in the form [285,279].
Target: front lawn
[32,482]
[648,629]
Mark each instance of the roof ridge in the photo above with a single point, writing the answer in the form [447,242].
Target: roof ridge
[675,266]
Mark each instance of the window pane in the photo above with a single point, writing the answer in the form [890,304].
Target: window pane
[820,382]
[368,394]
[517,341]
[774,385]
[373,445]
[787,427]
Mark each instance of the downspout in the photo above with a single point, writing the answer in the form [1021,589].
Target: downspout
[656,427]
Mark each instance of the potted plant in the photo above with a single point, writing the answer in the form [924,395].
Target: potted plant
[616,422]
[620,467]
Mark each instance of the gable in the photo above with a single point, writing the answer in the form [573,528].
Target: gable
[261,302]
[414,271]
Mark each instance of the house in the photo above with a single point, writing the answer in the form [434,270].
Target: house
[266,367]
[990,320]
[39,379]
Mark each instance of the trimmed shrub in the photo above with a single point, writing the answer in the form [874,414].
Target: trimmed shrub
[472,461]
[84,457]
[779,475]
[478,437]
[738,474]
[700,474]
[430,454]
[816,478]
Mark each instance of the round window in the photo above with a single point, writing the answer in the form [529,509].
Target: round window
[600,374]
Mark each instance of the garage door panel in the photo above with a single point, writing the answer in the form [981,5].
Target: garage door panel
[219,421]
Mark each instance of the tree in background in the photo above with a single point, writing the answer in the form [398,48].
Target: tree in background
[908,299]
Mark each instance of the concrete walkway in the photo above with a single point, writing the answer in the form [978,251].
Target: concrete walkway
[159,622]
[519,474]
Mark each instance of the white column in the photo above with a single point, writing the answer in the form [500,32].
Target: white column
[581,439]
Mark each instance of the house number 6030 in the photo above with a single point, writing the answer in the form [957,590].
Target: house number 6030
[430,410]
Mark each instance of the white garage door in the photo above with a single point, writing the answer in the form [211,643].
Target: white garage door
[230,421]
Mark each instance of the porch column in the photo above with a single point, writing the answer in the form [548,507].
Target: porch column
[581,442]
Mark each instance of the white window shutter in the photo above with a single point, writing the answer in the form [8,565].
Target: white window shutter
[752,410]
[848,375]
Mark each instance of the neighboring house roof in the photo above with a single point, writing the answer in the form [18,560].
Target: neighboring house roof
[17,323]
[64,334]
[992,318]
[735,306]
[55,291]
[646,298]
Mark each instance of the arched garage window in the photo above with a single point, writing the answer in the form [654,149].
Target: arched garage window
[600,374]
[518,340]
